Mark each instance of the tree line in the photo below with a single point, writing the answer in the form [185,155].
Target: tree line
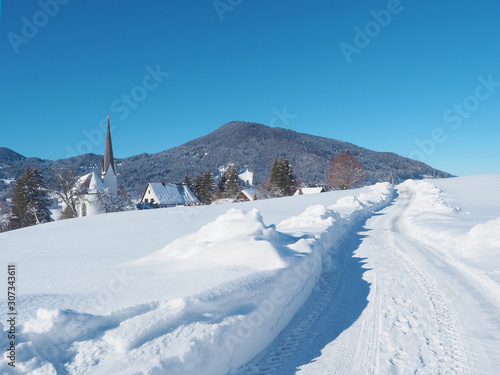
[31,204]
[281,182]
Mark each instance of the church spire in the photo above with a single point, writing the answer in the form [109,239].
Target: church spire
[108,154]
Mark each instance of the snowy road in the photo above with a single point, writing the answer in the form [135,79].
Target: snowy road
[397,306]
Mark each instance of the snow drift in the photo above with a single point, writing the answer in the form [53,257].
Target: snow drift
[468,236]
[236,238]
[211,332]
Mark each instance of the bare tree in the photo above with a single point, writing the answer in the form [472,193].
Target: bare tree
[345,172]
[115,203]
[66,188]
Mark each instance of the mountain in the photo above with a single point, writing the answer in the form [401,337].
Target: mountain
[255,146]
[245,144]
[9,156]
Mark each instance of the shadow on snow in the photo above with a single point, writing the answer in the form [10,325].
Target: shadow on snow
[330,310]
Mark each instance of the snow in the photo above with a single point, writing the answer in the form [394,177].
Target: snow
[246,176]
[236,239]
[166,194]
[187,195]
[250,193]
[309,190]
[465,226]
[359,281]
[91,182]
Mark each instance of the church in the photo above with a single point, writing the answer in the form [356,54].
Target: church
[90,185]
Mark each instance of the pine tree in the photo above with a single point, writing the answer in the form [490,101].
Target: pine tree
[232,185]
[281,181]
[196,186]
[30,203]
[19,209]
[187,180]
[222,183]
[203,187]
[41,200]
[274,179]
[208,187]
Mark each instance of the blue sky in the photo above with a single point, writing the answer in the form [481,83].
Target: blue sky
[419,78]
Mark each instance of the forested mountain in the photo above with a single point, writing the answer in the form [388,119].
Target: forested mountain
[242,143]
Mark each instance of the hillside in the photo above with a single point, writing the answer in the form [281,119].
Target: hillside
[9,156]
[256,146]
[246,145]
[362,281]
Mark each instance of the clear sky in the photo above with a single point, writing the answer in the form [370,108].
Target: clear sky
[419,78]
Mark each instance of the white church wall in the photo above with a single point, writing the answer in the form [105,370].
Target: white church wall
[110,180]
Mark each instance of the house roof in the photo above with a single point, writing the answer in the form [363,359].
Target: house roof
[310,190]
[90,184]
[250,192]
[172,194]
[187,194]
[246,175]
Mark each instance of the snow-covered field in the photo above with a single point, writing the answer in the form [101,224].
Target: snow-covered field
[362,281]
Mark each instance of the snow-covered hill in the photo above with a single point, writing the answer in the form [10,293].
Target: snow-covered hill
[274,286]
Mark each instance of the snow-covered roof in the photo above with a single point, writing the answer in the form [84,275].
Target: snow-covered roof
[187,194]
[249,193]
[172,194]
[90,183]
[310,190]
[223,201]
[247,176]
[8,181]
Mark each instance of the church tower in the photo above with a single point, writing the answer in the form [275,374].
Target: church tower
[108,170]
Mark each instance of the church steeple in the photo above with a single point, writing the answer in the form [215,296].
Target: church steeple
[109,175]
[108,160]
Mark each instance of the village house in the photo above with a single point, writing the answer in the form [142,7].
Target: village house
[168,195]
[309,190]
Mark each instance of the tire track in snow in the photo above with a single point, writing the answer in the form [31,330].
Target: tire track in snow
[446,340]
[288,343]
[448,326]
[408,326]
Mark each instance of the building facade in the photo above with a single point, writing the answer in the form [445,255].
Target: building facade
[89,187]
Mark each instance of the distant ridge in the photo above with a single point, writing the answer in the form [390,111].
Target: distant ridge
[256,145]
[245,144]
[9,156]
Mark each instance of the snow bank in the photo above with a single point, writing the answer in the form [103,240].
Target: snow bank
[430,215]
[215,331]
[487,235]
[463,236]
[316,218]
[236,238]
